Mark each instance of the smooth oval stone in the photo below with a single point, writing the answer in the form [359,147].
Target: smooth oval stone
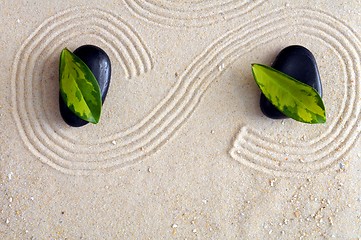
[99,63]
[299,63]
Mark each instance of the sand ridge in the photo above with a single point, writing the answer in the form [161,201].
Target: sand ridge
[182,150]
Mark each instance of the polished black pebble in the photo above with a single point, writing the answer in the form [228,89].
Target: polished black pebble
[299,63]
[99,63]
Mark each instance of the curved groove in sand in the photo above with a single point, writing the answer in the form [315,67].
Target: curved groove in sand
[260,152]
[130,51]
[148,135]
[182,14]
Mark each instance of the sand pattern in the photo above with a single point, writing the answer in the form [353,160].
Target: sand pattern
[39,131]
[197,160]
[145,137]
[190,14]
[263,153]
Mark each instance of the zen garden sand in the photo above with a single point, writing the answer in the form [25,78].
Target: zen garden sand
[182,150]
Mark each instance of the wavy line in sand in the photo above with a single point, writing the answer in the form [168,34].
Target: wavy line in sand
[169,115]
[180,14]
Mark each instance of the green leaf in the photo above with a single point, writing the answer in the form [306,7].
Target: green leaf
[79,88]
[292,97]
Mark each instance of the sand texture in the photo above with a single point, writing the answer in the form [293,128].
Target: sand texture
[182,150]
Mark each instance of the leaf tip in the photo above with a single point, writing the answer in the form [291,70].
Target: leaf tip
[96,119]
[65,50]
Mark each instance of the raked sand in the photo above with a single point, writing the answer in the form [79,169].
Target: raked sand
[182,150]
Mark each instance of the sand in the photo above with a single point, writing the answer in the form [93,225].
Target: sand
[182,150]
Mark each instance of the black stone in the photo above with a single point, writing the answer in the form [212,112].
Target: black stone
[99,63]
[299,63]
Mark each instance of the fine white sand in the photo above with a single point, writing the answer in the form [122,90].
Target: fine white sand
[182,150]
